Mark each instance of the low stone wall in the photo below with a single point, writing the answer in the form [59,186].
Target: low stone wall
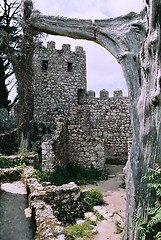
[17,160]
[47,202]
[54,151]
[64,201]
[48,227]
[10,174]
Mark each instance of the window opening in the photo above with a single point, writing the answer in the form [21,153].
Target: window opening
[44,65]
[81,96]
[70,66]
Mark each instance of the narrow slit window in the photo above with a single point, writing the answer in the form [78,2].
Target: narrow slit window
[81,96]
[44,65]
[70,66]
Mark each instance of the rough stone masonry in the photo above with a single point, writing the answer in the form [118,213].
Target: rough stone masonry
[85,130]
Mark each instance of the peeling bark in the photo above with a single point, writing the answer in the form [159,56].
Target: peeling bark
[135,41]
[23,69]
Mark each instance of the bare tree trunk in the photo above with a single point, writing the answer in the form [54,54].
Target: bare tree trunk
[24,74]
[148,109]
[134,40]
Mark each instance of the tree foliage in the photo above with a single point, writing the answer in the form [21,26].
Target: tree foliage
[17,45]
[151,225]
[10,27]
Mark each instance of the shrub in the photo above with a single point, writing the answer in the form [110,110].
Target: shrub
[35,174]
[46,177]
[6,162]
[80,231]
[91,198]
[152,226]
[69,212]
[8,135]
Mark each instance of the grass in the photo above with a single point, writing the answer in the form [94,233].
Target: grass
[74,173]
[6,162]
[119,228]
[91,198]
[118,225]
[80,231]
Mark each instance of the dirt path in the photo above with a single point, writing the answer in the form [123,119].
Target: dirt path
[114,198]
[15,221]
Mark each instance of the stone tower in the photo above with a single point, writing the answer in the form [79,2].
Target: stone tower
[59,82]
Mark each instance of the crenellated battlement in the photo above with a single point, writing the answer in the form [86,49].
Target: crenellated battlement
[51,47]
[104,94]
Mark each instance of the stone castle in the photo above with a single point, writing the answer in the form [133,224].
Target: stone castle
[85,130]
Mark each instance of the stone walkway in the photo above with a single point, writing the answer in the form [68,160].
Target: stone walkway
[15,221]
[113,212]
[114,208]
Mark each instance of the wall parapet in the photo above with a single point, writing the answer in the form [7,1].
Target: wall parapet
[104,94]
[51,46]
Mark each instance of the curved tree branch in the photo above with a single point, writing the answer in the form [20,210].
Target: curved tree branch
[108,33]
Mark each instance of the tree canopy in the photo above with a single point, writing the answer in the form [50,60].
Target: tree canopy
[10,29]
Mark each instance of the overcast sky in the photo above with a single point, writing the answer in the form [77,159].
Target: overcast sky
[103,72]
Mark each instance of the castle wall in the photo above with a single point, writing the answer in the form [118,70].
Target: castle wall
[86,130]
[98,131]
